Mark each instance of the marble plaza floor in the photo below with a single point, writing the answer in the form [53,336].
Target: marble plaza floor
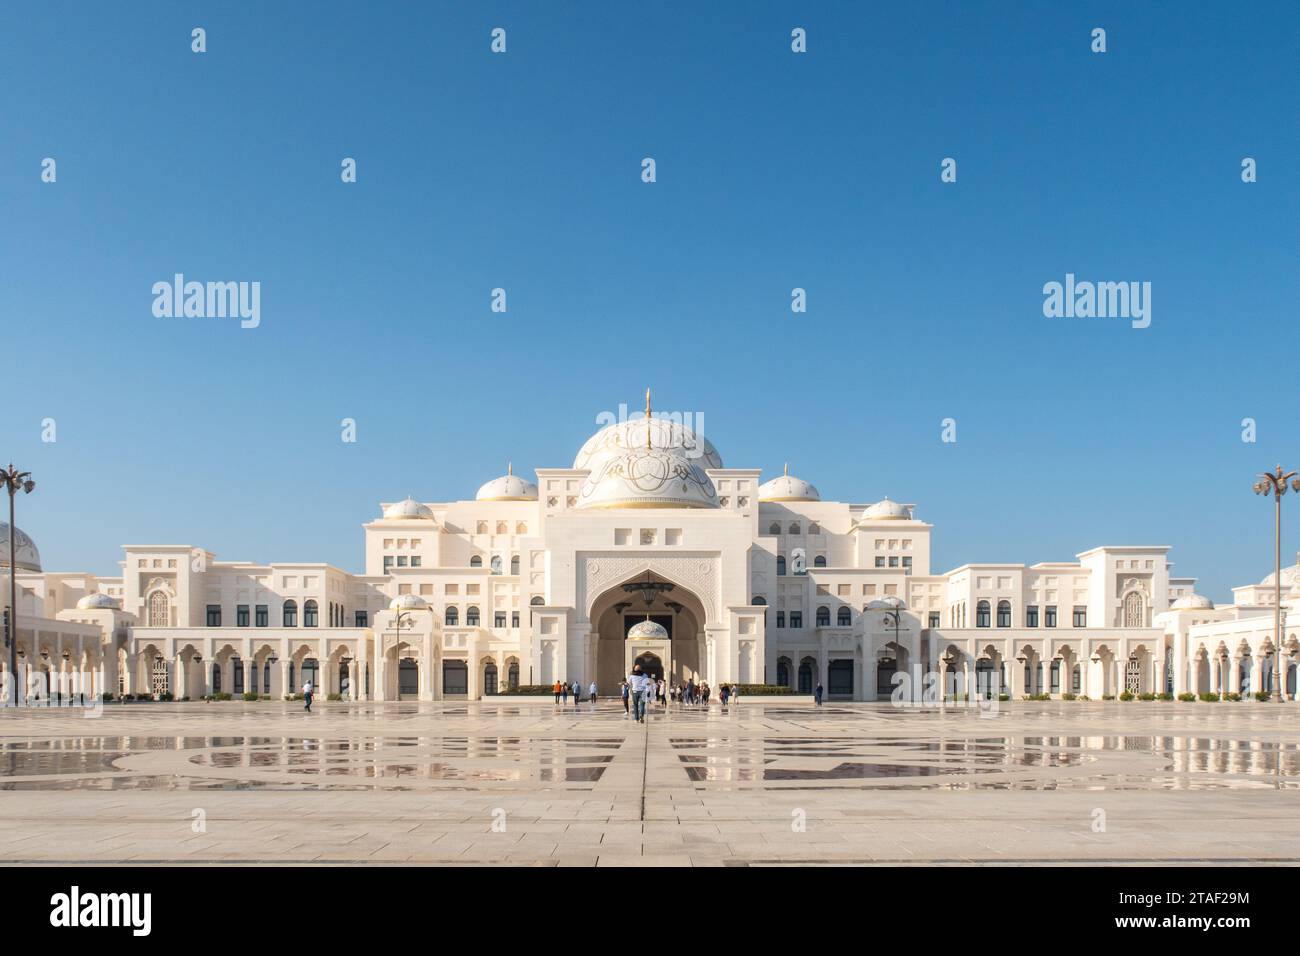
[522,781]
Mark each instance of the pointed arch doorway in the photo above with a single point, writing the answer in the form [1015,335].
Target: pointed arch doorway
[678,610]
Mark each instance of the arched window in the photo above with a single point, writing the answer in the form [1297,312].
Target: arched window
[496,564]
[158,616]
[814,528]
[1004,614]
[783,673]
[806,675]
[1134,610]
[514,564]
[775,528]
[823,616]
[471,616]
[310,615]
[794,528]
[819,561]
[476,561]
[780,564]
[521,528]
[451,618]
[982,614]
[844,618]
[759,600]
[512,676]
[481,528]
[289,614]
[490,678]
[537,601]
[503,528]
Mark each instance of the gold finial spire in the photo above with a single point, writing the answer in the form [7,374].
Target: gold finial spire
[647,419]
[510,468]
[787,470]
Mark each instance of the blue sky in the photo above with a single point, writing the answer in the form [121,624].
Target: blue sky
[775,170]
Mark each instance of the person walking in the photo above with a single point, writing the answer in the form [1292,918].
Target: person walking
[817,694]
[638,682]
[735,693]
[625,690]
[556,688]
[591,693]
[564,693]
[705,690]
[307,690]
[577,694]
[722,695]
[690,691]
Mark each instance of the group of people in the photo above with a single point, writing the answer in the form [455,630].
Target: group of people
[563,689]
[640,690]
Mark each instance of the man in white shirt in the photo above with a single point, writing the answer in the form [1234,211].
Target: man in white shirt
[640,692]
[591,692]
[307,691]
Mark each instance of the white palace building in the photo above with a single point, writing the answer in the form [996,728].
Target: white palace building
[740,580]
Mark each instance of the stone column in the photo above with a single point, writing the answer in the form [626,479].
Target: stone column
[250,667]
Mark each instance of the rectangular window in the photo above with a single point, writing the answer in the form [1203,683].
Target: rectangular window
[388,561]
[415,560]
[401,560]
[893,561]
[1049,616]
[514,618]
[934,619]
[362,619]
[1080,616]
[796,618]
[880,562]
[907,561]
[214,615]
[780,618]
[241,615]
[1031,616]
[260,618]
[499,619]
[1056,677]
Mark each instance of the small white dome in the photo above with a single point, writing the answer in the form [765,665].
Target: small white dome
[886,510]
[509,487]
[788,488]
[408,602]
[26,557]
[94,602]
[1192,602]
[646,630]
[887,604]
[409,508]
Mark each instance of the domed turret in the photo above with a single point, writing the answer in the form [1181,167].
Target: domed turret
[787,488]
[406,509]
[886,510]
[408,602]
[97,602]
[1192,602]
[509,487]
[26,557]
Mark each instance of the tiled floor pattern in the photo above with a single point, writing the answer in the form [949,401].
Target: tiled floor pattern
[526,782]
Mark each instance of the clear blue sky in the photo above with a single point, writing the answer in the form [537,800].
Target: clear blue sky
[774,170]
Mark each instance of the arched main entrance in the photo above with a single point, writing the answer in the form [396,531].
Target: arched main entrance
[656,597]
[650,665]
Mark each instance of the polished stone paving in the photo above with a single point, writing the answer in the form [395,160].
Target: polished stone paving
[767,782]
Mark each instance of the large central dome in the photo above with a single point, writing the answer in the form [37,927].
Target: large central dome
[647,463]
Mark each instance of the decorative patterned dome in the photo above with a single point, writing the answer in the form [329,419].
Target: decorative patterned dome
[26,557]
[97,602]
[647,631]
[1290,576]
[665,434]
[887,510]
[408,602]
[788,488]
[1192,602]
[409,508]
[647,463]
[509,487]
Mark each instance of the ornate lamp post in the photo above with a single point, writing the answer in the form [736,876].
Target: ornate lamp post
[1275,484]
[14,481]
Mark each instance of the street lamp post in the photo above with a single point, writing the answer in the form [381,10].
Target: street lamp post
[1275,484]
[14,481]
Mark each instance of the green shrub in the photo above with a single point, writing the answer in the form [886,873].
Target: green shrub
[1209,698]
[1107,696]
[166,695]
[1146,695]
[1126,695]
[1084,697]
[1164,696]
[764,690]
[1068,696]
[1004,696]
[1261,695]
[333,696]
[1232,696]
[250,695]
[1187,697]
[528,690]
